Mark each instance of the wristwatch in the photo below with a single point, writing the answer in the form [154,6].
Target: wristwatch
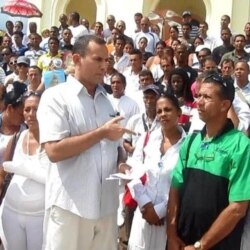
[197,245]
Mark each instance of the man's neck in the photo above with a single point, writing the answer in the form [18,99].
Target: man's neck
[214,127]
[242,83]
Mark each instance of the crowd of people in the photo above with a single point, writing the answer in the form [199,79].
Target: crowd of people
[81,103]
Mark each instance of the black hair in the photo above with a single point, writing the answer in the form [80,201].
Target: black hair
[227,90]
[14,97]
[82,43]
[121,76]
[136,52]
[172,99]
[186,90]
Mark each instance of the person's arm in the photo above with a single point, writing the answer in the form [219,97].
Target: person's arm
[233,116]
[223,225]
[174,242]
[128,147]
[72,146]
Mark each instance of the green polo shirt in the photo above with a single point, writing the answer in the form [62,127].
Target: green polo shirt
[217,172]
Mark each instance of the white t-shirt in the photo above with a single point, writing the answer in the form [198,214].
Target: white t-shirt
[25,195]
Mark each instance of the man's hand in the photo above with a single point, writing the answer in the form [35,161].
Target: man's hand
[112,130]
[149,214]
[175,243]
[190,247]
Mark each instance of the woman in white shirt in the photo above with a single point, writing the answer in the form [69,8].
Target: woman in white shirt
[22,210]
[159,156]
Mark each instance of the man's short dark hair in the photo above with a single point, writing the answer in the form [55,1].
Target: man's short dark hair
[37,68]
[120,37]
[136,52]
[146,72]
[19,33]
[55,39]
[226,85]
[187,24]
[121,76]
[138,14]
[239,35]
[75,16]
[81,45]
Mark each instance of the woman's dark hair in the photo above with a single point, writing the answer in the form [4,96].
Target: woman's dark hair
[15,96]
[186,90]
[172,99]
[175,28]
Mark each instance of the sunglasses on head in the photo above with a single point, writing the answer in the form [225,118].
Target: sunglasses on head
[217,78]
[31,93]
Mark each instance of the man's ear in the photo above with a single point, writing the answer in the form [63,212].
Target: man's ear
[76,58]
[225,105]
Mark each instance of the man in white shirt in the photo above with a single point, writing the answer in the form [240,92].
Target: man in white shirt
[123,104]
[242,84]
[121,58]
[132,72]
[111,25]
[76,28]
[145,32]
[82,140]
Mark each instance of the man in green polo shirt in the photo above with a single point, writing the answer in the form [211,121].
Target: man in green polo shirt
[210,188]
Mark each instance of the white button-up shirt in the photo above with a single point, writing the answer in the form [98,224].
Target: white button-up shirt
[158,169]
[79,184]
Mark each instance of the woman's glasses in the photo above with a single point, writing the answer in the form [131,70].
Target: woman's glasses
[13,62]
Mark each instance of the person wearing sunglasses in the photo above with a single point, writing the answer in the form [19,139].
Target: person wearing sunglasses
[6,55]
[210,192]
[22,67]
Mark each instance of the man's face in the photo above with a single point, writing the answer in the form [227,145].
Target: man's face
[145,25]
[53,32]
[53,47]
[239,43]
[120,26]
[247,29]
[181,54]
[18,39]
[201,55]
[63,19]
[225,35]
[67,35]
[150,98]
[186,30]
[241,72]
[110,21]
[117,87]
[85,23]
[166,66]
[137,20]
[34,40]
[119,46]
[203,29]
[210,65]
[90,69]
[209,103]
[135,62]
[145,81]
[224,21]
[34,76]
[6,41]
[227,69]
[18,27]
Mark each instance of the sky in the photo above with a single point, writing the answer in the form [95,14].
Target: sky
[4,18]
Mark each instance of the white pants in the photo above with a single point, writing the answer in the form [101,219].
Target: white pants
[67,231]
[19,231]
[245,240]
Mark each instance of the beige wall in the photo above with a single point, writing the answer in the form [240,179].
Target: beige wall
[239,10]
